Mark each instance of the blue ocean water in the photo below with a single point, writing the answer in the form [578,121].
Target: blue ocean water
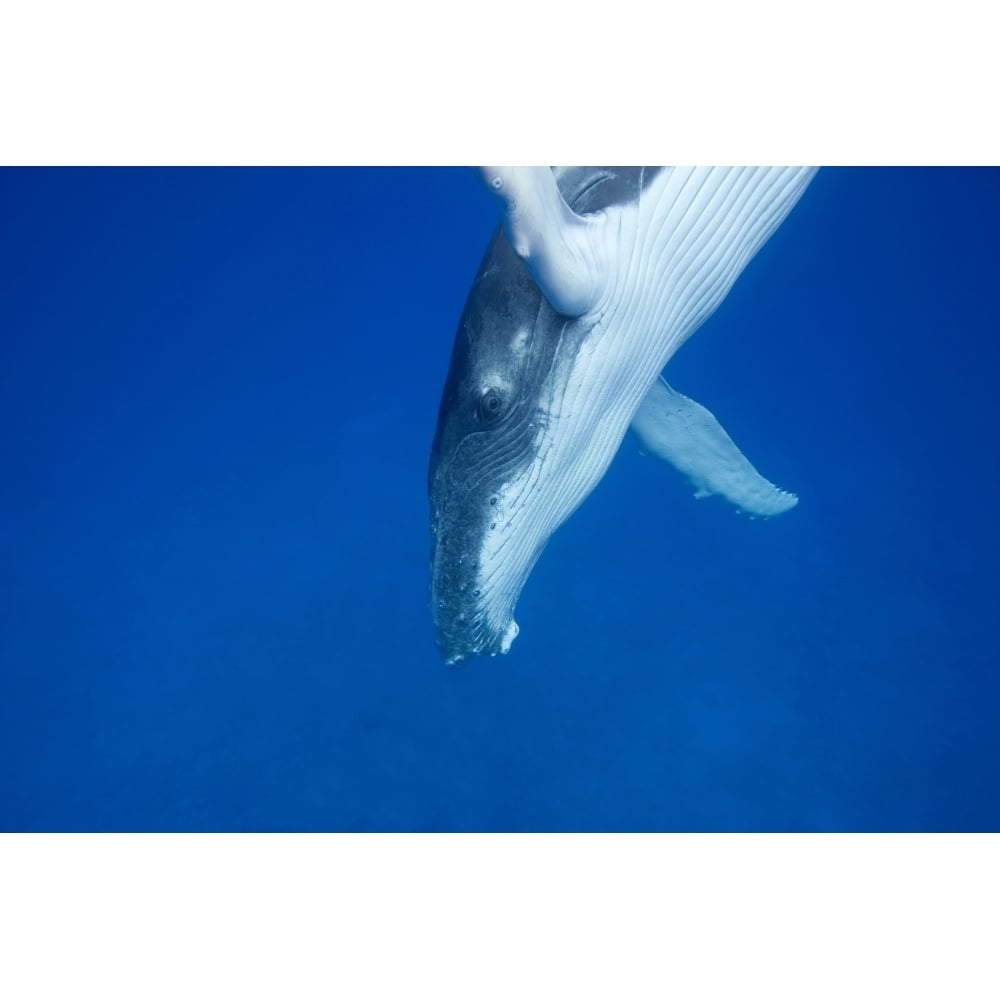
[218,390]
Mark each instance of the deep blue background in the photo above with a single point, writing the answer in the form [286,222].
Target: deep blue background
[218,390]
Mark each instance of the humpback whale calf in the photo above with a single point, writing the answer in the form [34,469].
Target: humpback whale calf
[593,280]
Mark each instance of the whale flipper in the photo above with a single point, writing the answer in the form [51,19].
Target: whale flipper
[566,253]
[685,434]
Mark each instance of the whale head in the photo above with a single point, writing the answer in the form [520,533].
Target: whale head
[594,280]
[522,437]
[486,447]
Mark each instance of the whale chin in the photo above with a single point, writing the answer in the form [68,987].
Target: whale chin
[472,605]
[456,651]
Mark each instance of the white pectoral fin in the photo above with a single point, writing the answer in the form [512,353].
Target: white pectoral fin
[685,434]
[563,251]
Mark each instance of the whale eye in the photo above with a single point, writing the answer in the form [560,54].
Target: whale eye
[491,406]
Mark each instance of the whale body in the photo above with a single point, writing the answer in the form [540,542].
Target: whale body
[591,283]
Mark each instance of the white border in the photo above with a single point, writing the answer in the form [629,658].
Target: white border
[435,83]
[499,916]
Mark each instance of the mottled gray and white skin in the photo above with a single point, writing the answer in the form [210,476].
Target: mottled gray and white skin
[595,278]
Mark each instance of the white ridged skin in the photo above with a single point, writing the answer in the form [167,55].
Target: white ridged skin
[664,265]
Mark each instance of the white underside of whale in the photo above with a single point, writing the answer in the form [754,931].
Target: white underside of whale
[646,275]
